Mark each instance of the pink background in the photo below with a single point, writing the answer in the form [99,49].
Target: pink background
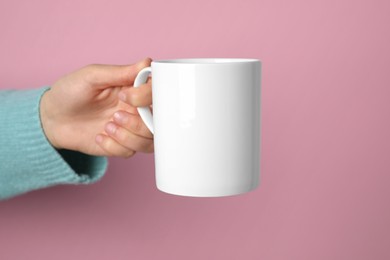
[325,131]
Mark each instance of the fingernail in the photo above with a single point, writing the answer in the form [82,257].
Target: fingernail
[111,128]
[99,138]
[122,96]
[120,117]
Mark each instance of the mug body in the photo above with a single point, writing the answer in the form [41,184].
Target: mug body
[206,117]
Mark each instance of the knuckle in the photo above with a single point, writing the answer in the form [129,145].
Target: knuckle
[90,72]
[135,98]
[91,67]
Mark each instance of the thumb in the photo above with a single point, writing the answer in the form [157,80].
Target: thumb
[104,76]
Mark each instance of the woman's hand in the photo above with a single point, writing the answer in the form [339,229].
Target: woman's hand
[84,111]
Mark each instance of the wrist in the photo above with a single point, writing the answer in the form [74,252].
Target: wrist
[48,121]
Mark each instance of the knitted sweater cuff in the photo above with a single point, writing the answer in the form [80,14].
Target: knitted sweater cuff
[46,165]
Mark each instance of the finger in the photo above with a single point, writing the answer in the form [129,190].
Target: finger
[132,123]
[113,75]
[138,97]
[125,106]
[128,139]
[112,147]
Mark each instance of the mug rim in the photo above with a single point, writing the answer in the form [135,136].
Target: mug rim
[207,61]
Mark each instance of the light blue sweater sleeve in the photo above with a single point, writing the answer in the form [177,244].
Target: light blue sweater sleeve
[27,160]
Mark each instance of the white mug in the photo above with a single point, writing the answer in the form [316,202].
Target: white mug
[206,125]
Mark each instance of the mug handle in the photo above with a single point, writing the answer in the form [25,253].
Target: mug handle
[144,112]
